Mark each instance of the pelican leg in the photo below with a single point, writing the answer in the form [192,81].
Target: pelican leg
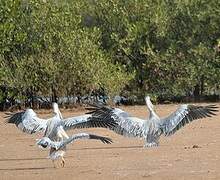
[54,164]
[151,141]
[62,162]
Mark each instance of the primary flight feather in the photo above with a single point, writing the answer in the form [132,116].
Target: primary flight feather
[152,128]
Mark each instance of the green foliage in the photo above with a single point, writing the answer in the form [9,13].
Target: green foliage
[170,45]
[62,48]
[45,50]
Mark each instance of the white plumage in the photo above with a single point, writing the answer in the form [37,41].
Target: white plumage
[29,122]
[153,127]
[58,148]
[54,127]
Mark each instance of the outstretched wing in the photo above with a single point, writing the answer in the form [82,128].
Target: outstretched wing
[27,121]
[184,115]
[126,125]
[72,138]
[46,142]
[87,121]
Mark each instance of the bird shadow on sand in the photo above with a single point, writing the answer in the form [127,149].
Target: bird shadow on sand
[104,148]
[21,159]
[25,169]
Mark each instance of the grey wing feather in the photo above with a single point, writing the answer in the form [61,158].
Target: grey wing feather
[87,121]
[72,138]
[126,125]
[184,115]
[87,136]
[27,121]
[131,127]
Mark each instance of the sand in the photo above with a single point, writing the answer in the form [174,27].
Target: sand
[192,153]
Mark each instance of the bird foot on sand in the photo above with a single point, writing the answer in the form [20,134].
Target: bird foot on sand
[153,144]
[62,162]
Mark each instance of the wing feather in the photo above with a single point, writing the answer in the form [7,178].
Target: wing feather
[27,121]
[45,141]
[184,115]
[126,125]
[87,121]
[74,137]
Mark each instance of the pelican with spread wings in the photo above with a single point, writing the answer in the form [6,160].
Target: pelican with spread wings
[55,128]
[58,148]
[152,128]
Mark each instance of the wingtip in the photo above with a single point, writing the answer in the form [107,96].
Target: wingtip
[212,109]
[107,140]
[8,115]
[8,118]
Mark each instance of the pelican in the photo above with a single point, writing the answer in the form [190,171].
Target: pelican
[55,128]
[30,123]
[153,127]
[58,148]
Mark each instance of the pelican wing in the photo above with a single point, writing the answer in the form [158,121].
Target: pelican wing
[72,138]
[27,121]
[184,115]
[46,142]
[87,121]
[126,125]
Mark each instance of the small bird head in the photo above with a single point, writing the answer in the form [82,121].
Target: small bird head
[44,142]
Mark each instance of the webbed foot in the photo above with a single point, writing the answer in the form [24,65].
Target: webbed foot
[152,144]
[62,162]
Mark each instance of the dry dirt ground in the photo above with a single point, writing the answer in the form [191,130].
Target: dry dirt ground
[192,153]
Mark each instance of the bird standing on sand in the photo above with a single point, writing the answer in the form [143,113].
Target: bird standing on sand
[152,128]
[58,148]
[54,128]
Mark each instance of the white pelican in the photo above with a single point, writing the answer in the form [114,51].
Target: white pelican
[30,123]
[54,128]
[152,128]
[58,148]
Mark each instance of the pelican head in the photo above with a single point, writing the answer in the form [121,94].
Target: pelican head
[149,104]
[56,110]
[30,112]
[44,142]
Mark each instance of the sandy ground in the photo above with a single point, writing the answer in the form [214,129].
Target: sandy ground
[192,153]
